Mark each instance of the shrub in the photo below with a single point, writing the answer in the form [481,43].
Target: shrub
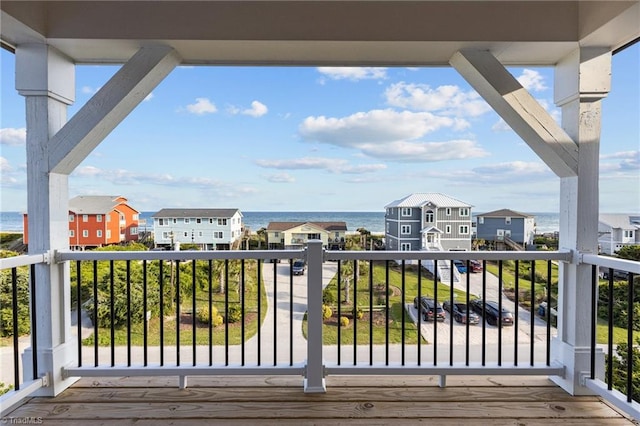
[326,312]
[203,314]
[218,320]
[234,314]
[344,321]
[359,313]
[328,296]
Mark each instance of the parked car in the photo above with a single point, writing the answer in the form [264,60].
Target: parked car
[298,267]
[461,266]
[491,312]
[476,266]
[430,310]
[461,313]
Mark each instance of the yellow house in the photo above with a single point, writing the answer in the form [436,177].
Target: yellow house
[294,235]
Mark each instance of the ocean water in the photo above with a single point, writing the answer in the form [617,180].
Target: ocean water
[371,221]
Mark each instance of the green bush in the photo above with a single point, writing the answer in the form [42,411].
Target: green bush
[234,314]
[328,296]
[326,312]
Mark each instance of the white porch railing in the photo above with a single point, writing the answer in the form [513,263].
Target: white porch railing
[289,303]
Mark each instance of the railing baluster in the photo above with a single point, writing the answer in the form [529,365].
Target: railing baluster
[243,313]
[548,312]
[451,301]
[226,311]
[354,316]
[112,313]
[516,317]
[500,272]
[178,312]
[193,311]
[630,330]
[467,300]
[419,313]
[483,317]
[259,340]
[34,323]
[78,309]
[386,314]
[532,313]
[339,312]
[145,318]
[95,313]
[435,321]
[210,300]
[291,316]
[161,314]
[370,312]
[594,319]
[403,298]
[610,331]
[15,331]
[128,278]
[275,314]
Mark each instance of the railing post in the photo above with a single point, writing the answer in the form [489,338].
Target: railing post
[314,373]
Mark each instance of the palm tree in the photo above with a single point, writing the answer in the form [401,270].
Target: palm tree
[262,234]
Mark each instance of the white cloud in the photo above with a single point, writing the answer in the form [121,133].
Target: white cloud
[13,137]
[202,106]
[87,90]
[5,166]
[390,135]
[353,73]
[447,100]
[532,80]
[332,165]
[258,109]
[620,162]
[281,178]
[8,175]
[506,172]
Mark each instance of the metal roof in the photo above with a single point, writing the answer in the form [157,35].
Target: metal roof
[421,199]
[223,213]
[618,221]
[96,204]
[505,213]
[327,226]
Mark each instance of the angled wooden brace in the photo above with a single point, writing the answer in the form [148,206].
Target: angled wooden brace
[518,109]
[109,106]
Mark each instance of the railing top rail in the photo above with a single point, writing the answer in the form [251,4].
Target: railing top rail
[449,255]
[65,255]
[612,262]
[24,260]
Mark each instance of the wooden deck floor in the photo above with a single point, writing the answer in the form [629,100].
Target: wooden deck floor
[280,400]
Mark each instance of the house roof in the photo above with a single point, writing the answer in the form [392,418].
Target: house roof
[196,213]
[620,221]
[96,204]
[420,199]
[327,226]
[505,213]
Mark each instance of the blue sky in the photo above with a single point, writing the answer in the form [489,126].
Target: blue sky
[325,139]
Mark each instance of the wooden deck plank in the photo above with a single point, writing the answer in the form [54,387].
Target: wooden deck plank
[317,410]
[199,394]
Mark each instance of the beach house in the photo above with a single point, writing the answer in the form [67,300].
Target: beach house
[294,235]
[98,220]
[211,229]
[616,231]
[506,227]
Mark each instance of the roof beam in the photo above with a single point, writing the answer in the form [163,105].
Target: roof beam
[519,110]
[109,106]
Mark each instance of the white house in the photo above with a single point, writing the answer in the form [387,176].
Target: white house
[212,229]
[616,231]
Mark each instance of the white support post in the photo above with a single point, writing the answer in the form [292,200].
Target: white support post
[47,80]
[582,80]
[314,381]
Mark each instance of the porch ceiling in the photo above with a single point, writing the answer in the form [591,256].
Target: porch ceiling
[304,32]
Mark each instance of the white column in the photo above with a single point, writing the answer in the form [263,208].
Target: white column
[582,80]
[314,375]
[47,80]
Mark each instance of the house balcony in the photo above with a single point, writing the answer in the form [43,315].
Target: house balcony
[279,354]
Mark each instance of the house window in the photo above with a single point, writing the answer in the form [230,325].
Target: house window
[313,236]
[464,229]
[71,233]
[447,229]
[198,220]
[71,218]
[85,218]
[99,233]
[429,216]
[222,222]
[405,247]
[388,227]
[405,229]
[210,220]
[199,233]
[85,233]
[447,211]
[276,234]
[628,233]
[186,220]
[108,233]
[481,220]
[134,231]
[507,220]
[406,211]
[163,222]
[217,234]
[186,234]
[99,218]
[136,216]
[464,211]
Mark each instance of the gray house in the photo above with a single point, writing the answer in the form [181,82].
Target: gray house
[616,231]
[506,225]
[428,221]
